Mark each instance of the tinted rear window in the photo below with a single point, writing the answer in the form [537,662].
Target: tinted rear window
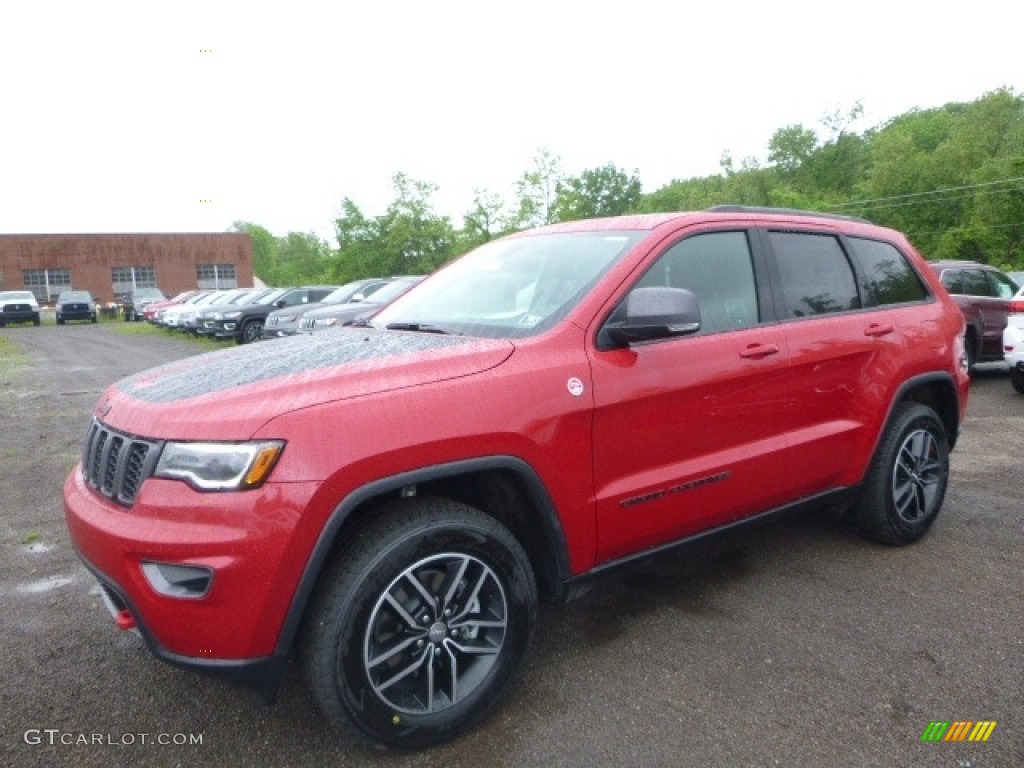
[816,277]
[889,277]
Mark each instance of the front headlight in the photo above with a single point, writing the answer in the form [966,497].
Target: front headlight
[326,322]
[219,466]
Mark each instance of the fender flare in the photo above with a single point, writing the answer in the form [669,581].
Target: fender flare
[328,535]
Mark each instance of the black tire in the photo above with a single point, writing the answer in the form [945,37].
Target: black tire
[474,636]
[971,350]
[907,480]
[1017,379]
[251,331]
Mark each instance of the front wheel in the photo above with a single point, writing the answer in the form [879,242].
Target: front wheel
[906,483]
[420,624]
[251,332]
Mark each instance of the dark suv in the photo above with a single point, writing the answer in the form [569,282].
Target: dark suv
[244,322]
[135,303]
[983,294]
[393,499]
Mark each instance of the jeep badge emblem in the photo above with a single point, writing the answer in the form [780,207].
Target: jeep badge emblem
[575,387]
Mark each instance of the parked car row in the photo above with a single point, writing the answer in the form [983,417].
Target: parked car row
[247,314]
[352,312]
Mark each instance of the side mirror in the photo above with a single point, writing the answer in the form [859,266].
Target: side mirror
[655,312]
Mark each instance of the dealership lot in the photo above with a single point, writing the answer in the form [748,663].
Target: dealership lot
[791,644]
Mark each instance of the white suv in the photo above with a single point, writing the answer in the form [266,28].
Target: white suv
[1013,341]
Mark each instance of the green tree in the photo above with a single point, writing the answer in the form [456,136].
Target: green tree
[604,191]
[536,189]
[410,238]
[486,220]
[264,250]
[790,147]
[303,257]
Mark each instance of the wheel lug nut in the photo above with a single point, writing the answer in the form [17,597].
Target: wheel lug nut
[447,612]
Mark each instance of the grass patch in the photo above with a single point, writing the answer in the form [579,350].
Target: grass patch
[11,356]
[203,343]
[32,537]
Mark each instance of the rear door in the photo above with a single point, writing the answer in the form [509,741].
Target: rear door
[844,348]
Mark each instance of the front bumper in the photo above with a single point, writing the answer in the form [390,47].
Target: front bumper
[245,539]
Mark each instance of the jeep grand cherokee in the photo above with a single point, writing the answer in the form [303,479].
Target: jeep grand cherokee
[392,500]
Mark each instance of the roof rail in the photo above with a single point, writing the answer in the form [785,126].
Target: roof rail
[787,211]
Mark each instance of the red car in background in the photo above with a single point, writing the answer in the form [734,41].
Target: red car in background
[149,313]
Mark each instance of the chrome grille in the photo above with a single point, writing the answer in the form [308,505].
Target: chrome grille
[116,464]
[307,323]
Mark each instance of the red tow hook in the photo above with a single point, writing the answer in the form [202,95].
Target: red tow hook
[124,619]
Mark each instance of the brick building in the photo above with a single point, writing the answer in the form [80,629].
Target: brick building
[110,266]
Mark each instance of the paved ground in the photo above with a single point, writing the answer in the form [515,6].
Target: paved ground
[794,644]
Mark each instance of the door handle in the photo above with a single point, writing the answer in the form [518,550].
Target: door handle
[879,329]
[758,351]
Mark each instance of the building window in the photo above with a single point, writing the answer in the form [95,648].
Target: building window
[47,284]
[216,276]
[127,279]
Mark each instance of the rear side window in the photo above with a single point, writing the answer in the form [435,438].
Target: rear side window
[816,277]
[889,278]
[975,284]
[717,267]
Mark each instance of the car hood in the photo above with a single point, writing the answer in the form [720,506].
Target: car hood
[230,394]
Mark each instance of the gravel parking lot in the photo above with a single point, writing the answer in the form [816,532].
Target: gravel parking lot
[790,644]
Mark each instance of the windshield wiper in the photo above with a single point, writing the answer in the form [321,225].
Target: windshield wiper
[419,327]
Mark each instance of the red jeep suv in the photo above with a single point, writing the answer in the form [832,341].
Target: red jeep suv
[392,500]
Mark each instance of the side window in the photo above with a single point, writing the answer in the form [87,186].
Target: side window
[816,277]
[1002,284]
[717,267]
[975,283]
[952,281]
[889,278]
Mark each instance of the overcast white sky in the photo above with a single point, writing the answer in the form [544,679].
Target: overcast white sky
[187,116]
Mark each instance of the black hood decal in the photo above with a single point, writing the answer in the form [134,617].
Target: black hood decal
[265,360]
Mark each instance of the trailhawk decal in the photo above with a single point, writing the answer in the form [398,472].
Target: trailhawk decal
[689,485]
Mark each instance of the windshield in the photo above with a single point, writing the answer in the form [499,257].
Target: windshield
[509,288]
[269,298]
[350,291]
[75,296]
[391,291]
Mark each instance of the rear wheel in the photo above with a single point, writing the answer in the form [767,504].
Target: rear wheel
[906,483]
[419,626]
[971,351]
[1017,379]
